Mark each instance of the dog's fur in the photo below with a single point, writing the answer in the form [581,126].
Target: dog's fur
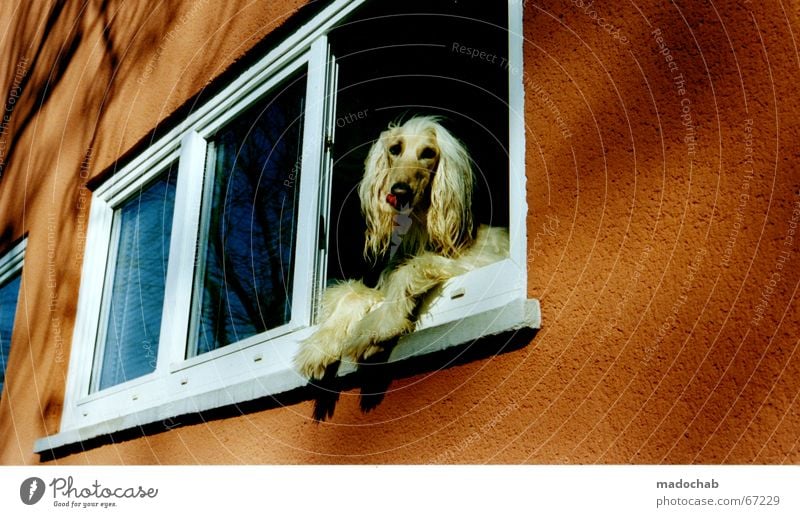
[416,171]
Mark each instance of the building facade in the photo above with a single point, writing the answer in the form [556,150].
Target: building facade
[178,187]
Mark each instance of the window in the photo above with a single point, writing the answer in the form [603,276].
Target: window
[131,319]
[245,282]
[10,280]
[216,240]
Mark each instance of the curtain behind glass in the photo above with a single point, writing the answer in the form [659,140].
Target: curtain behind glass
[137,295]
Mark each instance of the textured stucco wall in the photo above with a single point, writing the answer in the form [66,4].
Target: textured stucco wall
[667,268]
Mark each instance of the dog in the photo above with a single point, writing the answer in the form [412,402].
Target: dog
[416,198]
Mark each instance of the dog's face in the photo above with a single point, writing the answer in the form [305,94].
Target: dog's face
[412,159]
[420,169]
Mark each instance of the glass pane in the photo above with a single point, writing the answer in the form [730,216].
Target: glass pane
[144,223]
[246,281]
[9,292]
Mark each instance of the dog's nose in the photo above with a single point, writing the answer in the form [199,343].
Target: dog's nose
[401,190]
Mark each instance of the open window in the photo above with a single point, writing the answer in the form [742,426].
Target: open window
[395,61]
[207,252]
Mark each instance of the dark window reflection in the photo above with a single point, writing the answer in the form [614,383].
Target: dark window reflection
[133,325]
[246,280]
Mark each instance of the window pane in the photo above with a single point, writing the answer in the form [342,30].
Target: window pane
[246,281]
[133,325]
[9,292]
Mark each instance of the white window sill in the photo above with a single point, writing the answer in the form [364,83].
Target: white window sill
[516,314]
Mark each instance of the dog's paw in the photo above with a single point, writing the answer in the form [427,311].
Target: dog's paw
[312,360]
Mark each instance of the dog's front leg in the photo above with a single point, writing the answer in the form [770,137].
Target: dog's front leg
[401,290]
[343,306]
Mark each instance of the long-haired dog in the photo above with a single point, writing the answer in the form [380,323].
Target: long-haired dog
[416,198]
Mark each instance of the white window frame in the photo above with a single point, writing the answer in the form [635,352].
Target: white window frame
[482,302]
[11,262]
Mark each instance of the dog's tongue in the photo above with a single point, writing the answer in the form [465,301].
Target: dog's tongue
[392,200]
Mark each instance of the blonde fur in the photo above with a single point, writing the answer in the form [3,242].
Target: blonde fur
[445,224]
[439,244]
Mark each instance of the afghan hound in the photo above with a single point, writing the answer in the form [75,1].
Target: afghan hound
[416,198]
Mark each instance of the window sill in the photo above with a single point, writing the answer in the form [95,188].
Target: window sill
[519,313]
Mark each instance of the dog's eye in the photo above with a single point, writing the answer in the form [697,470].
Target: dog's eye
[427,154]
[395,149]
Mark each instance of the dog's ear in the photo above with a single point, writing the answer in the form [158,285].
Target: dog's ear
[379,221]
[450,214]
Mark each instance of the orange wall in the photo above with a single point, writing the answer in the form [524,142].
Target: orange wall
[668,273]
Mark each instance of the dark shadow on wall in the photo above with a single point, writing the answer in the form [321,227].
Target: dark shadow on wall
[55,93]
[374,376]
[371,379]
